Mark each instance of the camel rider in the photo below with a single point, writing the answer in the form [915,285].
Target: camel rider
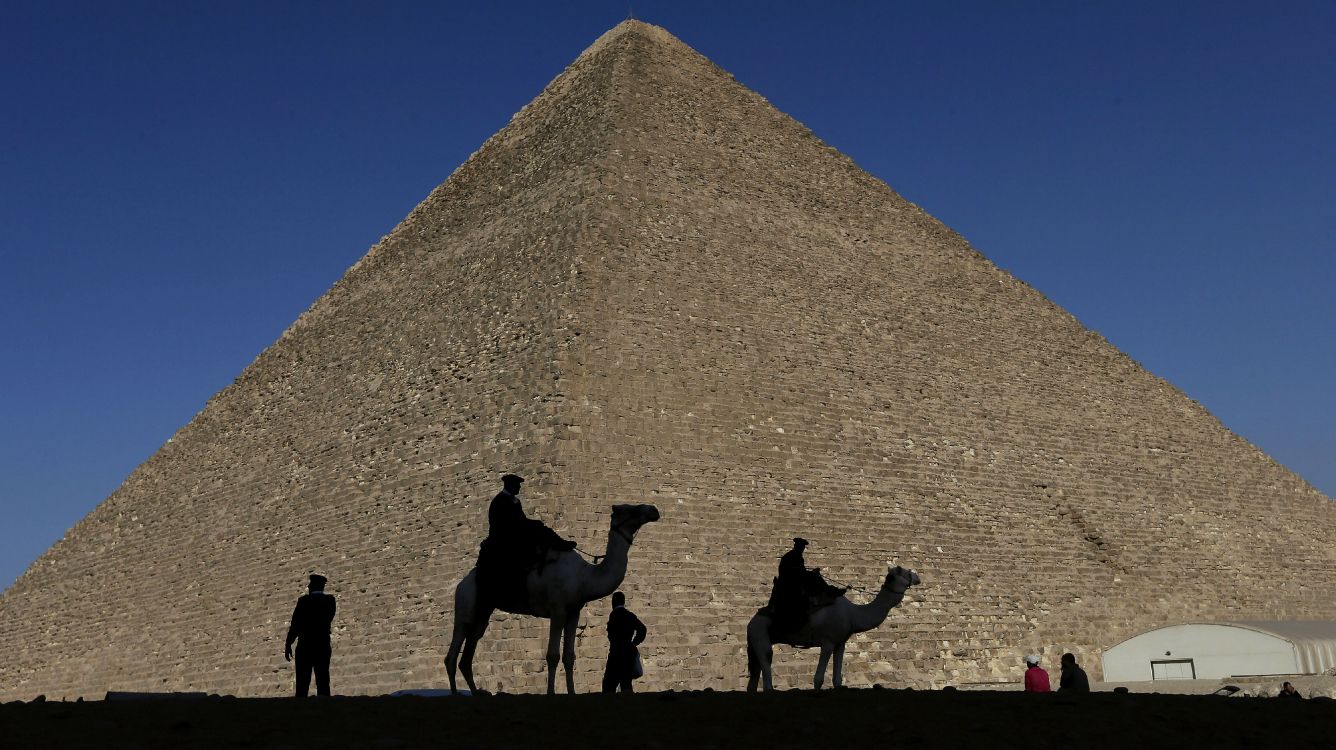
[505,515]
[515,542]
[792,567]
[798,589]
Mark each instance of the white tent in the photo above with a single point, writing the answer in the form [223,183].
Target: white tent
[1223,649]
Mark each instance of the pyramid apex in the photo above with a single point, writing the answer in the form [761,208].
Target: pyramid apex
[631,26]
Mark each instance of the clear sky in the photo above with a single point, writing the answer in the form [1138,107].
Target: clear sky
[179,180]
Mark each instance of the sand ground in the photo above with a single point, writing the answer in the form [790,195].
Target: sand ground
[708,721]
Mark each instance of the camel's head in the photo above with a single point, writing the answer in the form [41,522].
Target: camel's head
[899,579]
[629,518]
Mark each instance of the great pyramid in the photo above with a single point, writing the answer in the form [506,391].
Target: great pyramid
[652,286]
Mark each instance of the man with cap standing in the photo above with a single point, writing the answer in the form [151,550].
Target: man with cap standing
[625,633]
[1036,679]
[310,629]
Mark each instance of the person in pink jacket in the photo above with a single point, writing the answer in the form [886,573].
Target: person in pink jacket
[1036,679]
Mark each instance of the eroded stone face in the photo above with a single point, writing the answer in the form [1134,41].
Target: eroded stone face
[653,287]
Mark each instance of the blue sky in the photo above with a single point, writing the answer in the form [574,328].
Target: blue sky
[179,180]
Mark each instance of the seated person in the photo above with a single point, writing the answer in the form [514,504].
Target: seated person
[798,590]
[515,543]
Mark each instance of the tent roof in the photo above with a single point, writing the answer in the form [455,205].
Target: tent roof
[1314,641]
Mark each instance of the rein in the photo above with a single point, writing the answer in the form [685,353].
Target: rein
[616,529]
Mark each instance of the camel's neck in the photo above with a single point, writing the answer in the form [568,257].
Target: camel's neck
[870,615]
[608,574]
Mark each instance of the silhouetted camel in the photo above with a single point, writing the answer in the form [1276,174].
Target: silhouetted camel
[565,585]
[828,627]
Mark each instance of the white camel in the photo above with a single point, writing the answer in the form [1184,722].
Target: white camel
[564,585]
[828,627]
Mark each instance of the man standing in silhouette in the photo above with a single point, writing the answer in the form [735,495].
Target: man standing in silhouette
[1036,679]
[1073,679]
[310,629]
[625,632]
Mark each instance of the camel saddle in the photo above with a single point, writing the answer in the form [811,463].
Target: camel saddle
[504,567]
[790,609]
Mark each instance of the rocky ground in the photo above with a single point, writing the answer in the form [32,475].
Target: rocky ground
[704,720]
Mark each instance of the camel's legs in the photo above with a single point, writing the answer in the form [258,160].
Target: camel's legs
[555,627]
[753,666]
[838,665]
[759,653]
[452,656]
[826,650]
[766,654]
[479,626]
[568,649]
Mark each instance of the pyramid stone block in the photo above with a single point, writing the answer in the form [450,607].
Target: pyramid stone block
[652,286]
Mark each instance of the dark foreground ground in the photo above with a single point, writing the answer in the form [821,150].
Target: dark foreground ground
[796,719]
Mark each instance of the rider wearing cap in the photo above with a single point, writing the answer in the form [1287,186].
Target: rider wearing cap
[798,589]
[515,542]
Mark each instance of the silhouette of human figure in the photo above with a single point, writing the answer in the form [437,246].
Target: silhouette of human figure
[514,541]
[797,588]
[1288,691]
[505,516]
[311,620]
[792,567]
[1036,679]
[1073,679]
[625,632]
